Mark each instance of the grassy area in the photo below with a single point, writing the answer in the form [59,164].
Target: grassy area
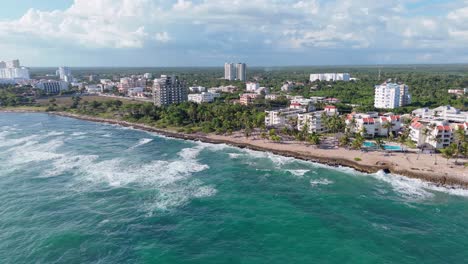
[67,101]
[24,108]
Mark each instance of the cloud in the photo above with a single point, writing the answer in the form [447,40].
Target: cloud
[244,28]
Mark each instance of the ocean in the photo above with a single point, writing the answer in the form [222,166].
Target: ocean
[73,191]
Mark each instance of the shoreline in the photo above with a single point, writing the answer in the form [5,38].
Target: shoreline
[332,157]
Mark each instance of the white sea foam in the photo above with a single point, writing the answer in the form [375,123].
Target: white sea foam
[141,142]
[298,172]
[55,133]
[33,151]
[234,155]
[321,181]
[416,189]
[9,142]
[170,178]
[77,134]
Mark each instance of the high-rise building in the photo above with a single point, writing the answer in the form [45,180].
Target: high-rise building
[241,72]
[405,97]
[169,90]
[65,74]
[391,95]
[13,70]
[13,64]
[229,71]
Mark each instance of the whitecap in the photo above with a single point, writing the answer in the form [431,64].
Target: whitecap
[415,188]
[234,155]
[321,181]
[298,172]
[55,133]
[77,134]
[141,142]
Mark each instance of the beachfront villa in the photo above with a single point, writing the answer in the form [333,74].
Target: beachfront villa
[438,134]
[444,113]
[372,125]
[280,117]
[313,121]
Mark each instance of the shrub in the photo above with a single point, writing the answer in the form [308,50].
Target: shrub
[357,159]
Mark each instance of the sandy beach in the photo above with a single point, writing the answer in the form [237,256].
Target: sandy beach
[429,167]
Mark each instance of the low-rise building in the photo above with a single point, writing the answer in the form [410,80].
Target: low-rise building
[287,86]
[313,120]
[247,98]
[443,113]
[302,103]
[205,97]
[94,89]
[197,89]
[52,86]
[436,134]
[252,86]
[280,117]
[331,110]
[272,96]
[371,124]
[330,77]
[332,100]
[136,92]
[224,89]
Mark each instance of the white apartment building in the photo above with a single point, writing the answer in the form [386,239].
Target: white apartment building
[280,118]
[302,103]
[287,86]
[14,73]
[169,90]
[65,74]
[135,92]
[148,75]
[94,89]
[252,86]
[247,98]
[241,69]
[391,95]
[438,134]
[330,77]
[197,89]
[444,113]
[371,125]
[51,86]
[229,71]
[313,121]
[203,97]
[13,70]
[128,82]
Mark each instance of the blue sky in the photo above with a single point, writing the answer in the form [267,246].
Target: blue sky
[208,32]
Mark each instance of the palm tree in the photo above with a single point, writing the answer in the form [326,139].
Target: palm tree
[388,126]
[380,143]
[460,138]
[425,132]
[449,151]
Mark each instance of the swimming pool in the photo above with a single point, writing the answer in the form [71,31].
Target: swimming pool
[369,144]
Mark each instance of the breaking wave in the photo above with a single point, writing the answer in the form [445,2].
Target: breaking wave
[141,142]
[317,182]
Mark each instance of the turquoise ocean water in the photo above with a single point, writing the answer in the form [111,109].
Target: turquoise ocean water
[79,192]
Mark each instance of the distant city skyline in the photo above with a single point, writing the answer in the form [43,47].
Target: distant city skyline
[158,33]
